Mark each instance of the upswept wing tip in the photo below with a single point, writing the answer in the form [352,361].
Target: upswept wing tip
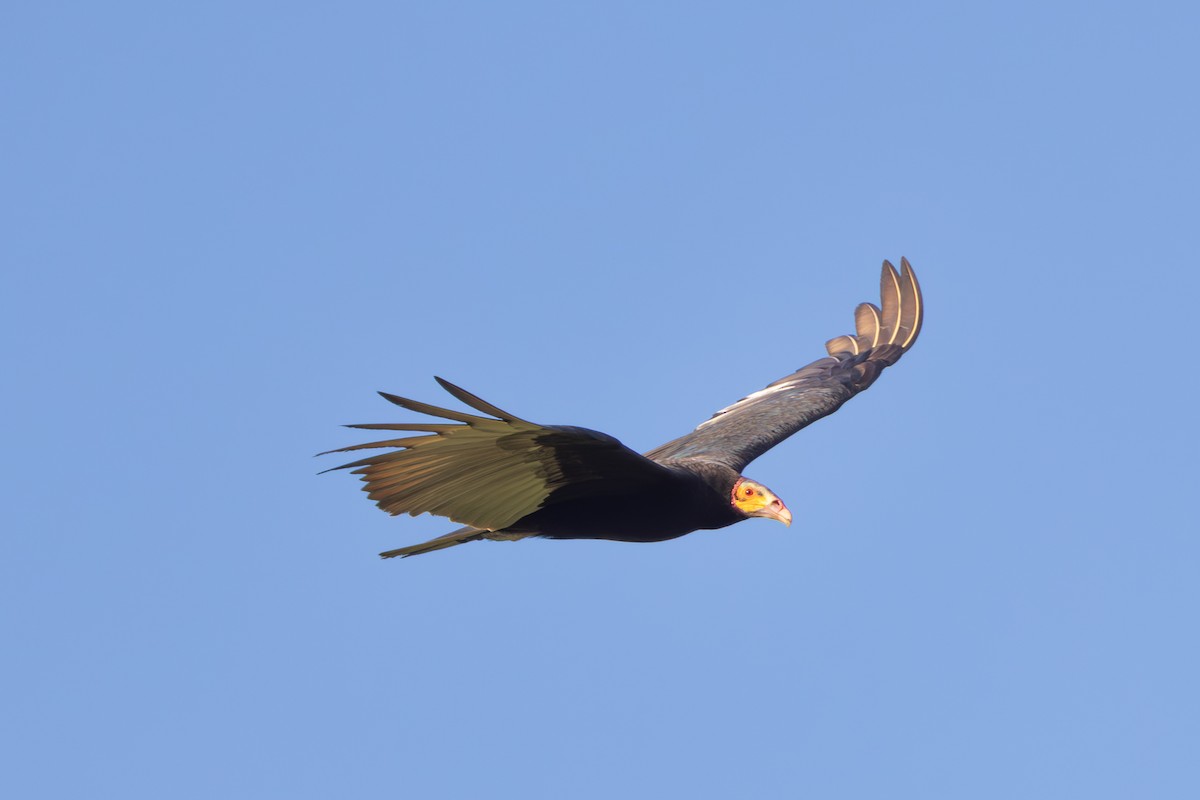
[842,344]
[896,320]
[889,294]
[868,322]
[912,305]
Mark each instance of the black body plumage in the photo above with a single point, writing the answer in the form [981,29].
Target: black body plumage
[506,478]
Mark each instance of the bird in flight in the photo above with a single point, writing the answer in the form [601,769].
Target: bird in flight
[506,478]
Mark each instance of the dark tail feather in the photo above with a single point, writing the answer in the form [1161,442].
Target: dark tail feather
[460,536]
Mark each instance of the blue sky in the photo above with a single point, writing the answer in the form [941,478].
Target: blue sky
[227,225]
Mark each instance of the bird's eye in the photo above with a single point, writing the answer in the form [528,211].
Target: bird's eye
[749,492]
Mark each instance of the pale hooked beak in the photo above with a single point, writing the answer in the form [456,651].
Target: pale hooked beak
[775,510]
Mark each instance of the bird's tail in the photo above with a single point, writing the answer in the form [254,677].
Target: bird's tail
[460,536]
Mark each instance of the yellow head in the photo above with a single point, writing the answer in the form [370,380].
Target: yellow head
[755,500]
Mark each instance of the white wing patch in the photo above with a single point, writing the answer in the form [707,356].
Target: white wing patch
[778,387]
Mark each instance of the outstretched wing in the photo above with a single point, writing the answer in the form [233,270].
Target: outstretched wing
[489,472]
[740,433]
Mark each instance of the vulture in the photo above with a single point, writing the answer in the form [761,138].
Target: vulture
[505,478]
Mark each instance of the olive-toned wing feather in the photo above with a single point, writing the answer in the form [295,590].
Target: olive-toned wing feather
[489,472]
[738,434]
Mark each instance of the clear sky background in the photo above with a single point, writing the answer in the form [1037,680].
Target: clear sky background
[226,225]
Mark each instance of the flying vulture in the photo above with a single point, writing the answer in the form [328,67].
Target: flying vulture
[506,478]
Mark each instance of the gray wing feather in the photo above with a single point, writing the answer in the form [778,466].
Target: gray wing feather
[739,433]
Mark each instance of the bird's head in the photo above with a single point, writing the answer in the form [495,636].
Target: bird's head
[755,500]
